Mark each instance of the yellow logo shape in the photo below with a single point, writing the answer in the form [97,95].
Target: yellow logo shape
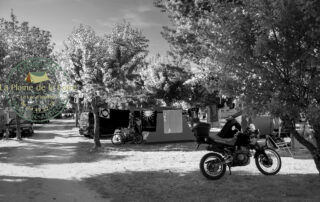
[36,77]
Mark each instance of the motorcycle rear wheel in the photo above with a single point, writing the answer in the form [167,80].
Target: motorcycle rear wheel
[90,134]
[138,139]
[269,166]
[117,139]
[212,166]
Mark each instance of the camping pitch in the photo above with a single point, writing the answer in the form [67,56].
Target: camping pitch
[171,126]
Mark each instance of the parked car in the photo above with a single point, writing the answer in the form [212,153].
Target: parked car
[25,126]
[68,113]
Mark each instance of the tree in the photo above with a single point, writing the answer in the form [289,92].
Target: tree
[84,59]
[19,41]
[71,59]
[165,81]
[129,48]
[270,47]
[104,67]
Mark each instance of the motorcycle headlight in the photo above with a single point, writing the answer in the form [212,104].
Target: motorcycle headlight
[253,140]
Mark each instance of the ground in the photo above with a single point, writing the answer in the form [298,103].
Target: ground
[57,164]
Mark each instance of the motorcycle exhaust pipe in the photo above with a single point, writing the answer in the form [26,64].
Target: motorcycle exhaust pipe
[226,161]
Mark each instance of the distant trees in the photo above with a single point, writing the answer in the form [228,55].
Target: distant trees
[165,80]
[104,68]
[19,41]
[269,48]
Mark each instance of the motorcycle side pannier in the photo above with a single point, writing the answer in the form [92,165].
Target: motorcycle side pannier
[201,131]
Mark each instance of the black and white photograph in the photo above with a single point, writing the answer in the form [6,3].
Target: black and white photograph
[159,100]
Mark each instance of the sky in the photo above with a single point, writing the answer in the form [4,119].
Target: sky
[61,16]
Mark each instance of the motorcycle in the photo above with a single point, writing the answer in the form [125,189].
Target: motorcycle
[123,135]
[233,148]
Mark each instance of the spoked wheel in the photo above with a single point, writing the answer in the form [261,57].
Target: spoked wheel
[269,165]
[116,139]
[212,166]
[138,139]
[90,134]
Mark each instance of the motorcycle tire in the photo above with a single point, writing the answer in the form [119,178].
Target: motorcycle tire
[138,139]
[263,164]
[90,134]
[117,139]
[211,171]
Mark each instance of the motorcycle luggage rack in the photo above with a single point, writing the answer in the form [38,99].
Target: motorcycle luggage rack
[201,132]
[279,144]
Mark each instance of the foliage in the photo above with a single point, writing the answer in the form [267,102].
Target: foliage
[105,64]
[270,47]
[165,80]
[129,47]
[103,68]
[19,41]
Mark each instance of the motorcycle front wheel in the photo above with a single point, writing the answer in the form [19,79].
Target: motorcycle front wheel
[269,165]
[212,166]
[117,139]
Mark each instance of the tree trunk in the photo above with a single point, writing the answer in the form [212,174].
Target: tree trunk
[77,116]
[96,130]
[317,162]
[79,109]
[315,152]
[316,136]
[78,112]
[18,129]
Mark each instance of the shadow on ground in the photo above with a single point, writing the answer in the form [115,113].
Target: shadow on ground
[163,147]
[42,153]
[168,186]
[29,189]
[53,143]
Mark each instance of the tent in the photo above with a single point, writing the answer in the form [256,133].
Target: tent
[170,126]
[264,124]
[36,77]
[158,124]
[110,119]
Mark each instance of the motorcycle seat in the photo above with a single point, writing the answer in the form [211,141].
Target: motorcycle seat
[226,141]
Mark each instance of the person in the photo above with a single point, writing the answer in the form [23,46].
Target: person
[196,122]
[138,125]
[193,115]
[231,128]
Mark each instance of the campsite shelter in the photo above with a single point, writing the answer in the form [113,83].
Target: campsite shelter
[158,124]
[265,124]
[171,126]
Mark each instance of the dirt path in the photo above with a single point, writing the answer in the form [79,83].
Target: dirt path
[24,175]
[56,165]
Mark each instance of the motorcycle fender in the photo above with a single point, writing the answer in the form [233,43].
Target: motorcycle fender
[258,152]
[221,163]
